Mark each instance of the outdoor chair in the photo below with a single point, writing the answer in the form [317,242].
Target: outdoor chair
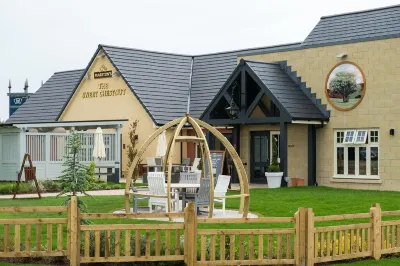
[220,190]
[153,165]
[202,197]
[156,181]
[194,167]
[137,198]
[190,178]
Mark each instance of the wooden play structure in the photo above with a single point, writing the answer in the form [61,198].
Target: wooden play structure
[205,154]
[30,175]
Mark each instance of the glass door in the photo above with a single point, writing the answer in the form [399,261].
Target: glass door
[260,158]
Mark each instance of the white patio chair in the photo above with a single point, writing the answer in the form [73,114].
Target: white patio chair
[202,197]
[151,164]
[220,190]
[195,165]
[156,183]
[190,178]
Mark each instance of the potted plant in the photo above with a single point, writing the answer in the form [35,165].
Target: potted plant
[274,174]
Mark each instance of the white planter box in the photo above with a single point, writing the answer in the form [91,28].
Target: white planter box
[274,179]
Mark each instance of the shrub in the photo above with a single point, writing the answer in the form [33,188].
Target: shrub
[51,186]
[91,173]
[115,186]
[7,188]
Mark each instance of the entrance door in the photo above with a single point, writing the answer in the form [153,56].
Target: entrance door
[259,156]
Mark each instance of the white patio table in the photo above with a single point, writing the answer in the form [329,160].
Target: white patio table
[183,187]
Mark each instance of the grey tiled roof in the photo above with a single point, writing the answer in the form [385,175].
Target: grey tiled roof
[365,25]
[288,90]
[48,101]
[159,80]
[211,71]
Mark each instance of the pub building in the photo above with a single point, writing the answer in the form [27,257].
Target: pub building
[330,100]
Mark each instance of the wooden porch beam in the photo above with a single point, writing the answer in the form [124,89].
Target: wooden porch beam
[254,103]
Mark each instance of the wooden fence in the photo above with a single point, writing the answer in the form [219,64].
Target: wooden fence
[299,240]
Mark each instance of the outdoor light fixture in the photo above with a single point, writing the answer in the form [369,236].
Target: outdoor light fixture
[116,74]
[233,109]
[342,55]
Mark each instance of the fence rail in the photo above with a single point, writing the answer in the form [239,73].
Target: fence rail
[33,237]
[298,240]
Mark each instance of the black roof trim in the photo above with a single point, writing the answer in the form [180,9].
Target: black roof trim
[358,12]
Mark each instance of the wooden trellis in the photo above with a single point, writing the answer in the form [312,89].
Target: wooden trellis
[205,153]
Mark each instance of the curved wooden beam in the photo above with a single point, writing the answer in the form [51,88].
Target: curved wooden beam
[170,155]
[244,183]
[140,154]
[200,134]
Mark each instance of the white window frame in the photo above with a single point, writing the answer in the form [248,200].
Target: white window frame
[364,138]
[356,146]
[351,140]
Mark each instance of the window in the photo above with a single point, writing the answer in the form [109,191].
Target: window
[349,136]
[361,136]
[356,153]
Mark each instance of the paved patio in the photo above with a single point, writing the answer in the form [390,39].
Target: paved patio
[203,214]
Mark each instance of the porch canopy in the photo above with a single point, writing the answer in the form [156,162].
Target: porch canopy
[268,93]
[46,143]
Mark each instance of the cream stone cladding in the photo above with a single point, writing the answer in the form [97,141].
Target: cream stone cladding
[380,62]
[125,106]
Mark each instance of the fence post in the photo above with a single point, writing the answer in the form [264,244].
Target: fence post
[190,235]
[310,237]
[301,235]
[376,220]
[74,232]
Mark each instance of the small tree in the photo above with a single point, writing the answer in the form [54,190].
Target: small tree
[274,166]
[344,83]
[74,177]
[132,148]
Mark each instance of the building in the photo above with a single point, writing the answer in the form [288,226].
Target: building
[330,101]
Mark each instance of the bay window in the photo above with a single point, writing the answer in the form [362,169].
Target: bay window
[356,153]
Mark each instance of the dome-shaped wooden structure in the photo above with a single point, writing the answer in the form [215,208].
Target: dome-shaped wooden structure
[205,153]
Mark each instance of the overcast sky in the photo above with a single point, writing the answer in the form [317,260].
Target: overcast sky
[38,38]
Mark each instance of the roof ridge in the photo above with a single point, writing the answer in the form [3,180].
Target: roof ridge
[262,62]
[360,11]
[81,69]
[205,54]
[143,50]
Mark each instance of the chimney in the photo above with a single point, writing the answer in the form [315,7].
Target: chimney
[26,86]
[9,86]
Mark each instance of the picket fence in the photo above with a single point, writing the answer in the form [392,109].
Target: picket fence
[299,242]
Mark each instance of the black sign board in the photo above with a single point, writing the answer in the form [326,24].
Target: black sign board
[103,74]
[217,162]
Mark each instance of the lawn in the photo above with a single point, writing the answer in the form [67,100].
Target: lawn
[264,202]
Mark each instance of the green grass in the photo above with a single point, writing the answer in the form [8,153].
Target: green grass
[264,202]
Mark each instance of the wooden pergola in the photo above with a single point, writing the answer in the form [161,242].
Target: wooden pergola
[205,154]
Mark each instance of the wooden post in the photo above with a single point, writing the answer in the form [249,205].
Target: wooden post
[310,237]
[190,235]
[376,220]
[74,244]
[302,236]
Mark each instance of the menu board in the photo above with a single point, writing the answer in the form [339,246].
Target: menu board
[217,162]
